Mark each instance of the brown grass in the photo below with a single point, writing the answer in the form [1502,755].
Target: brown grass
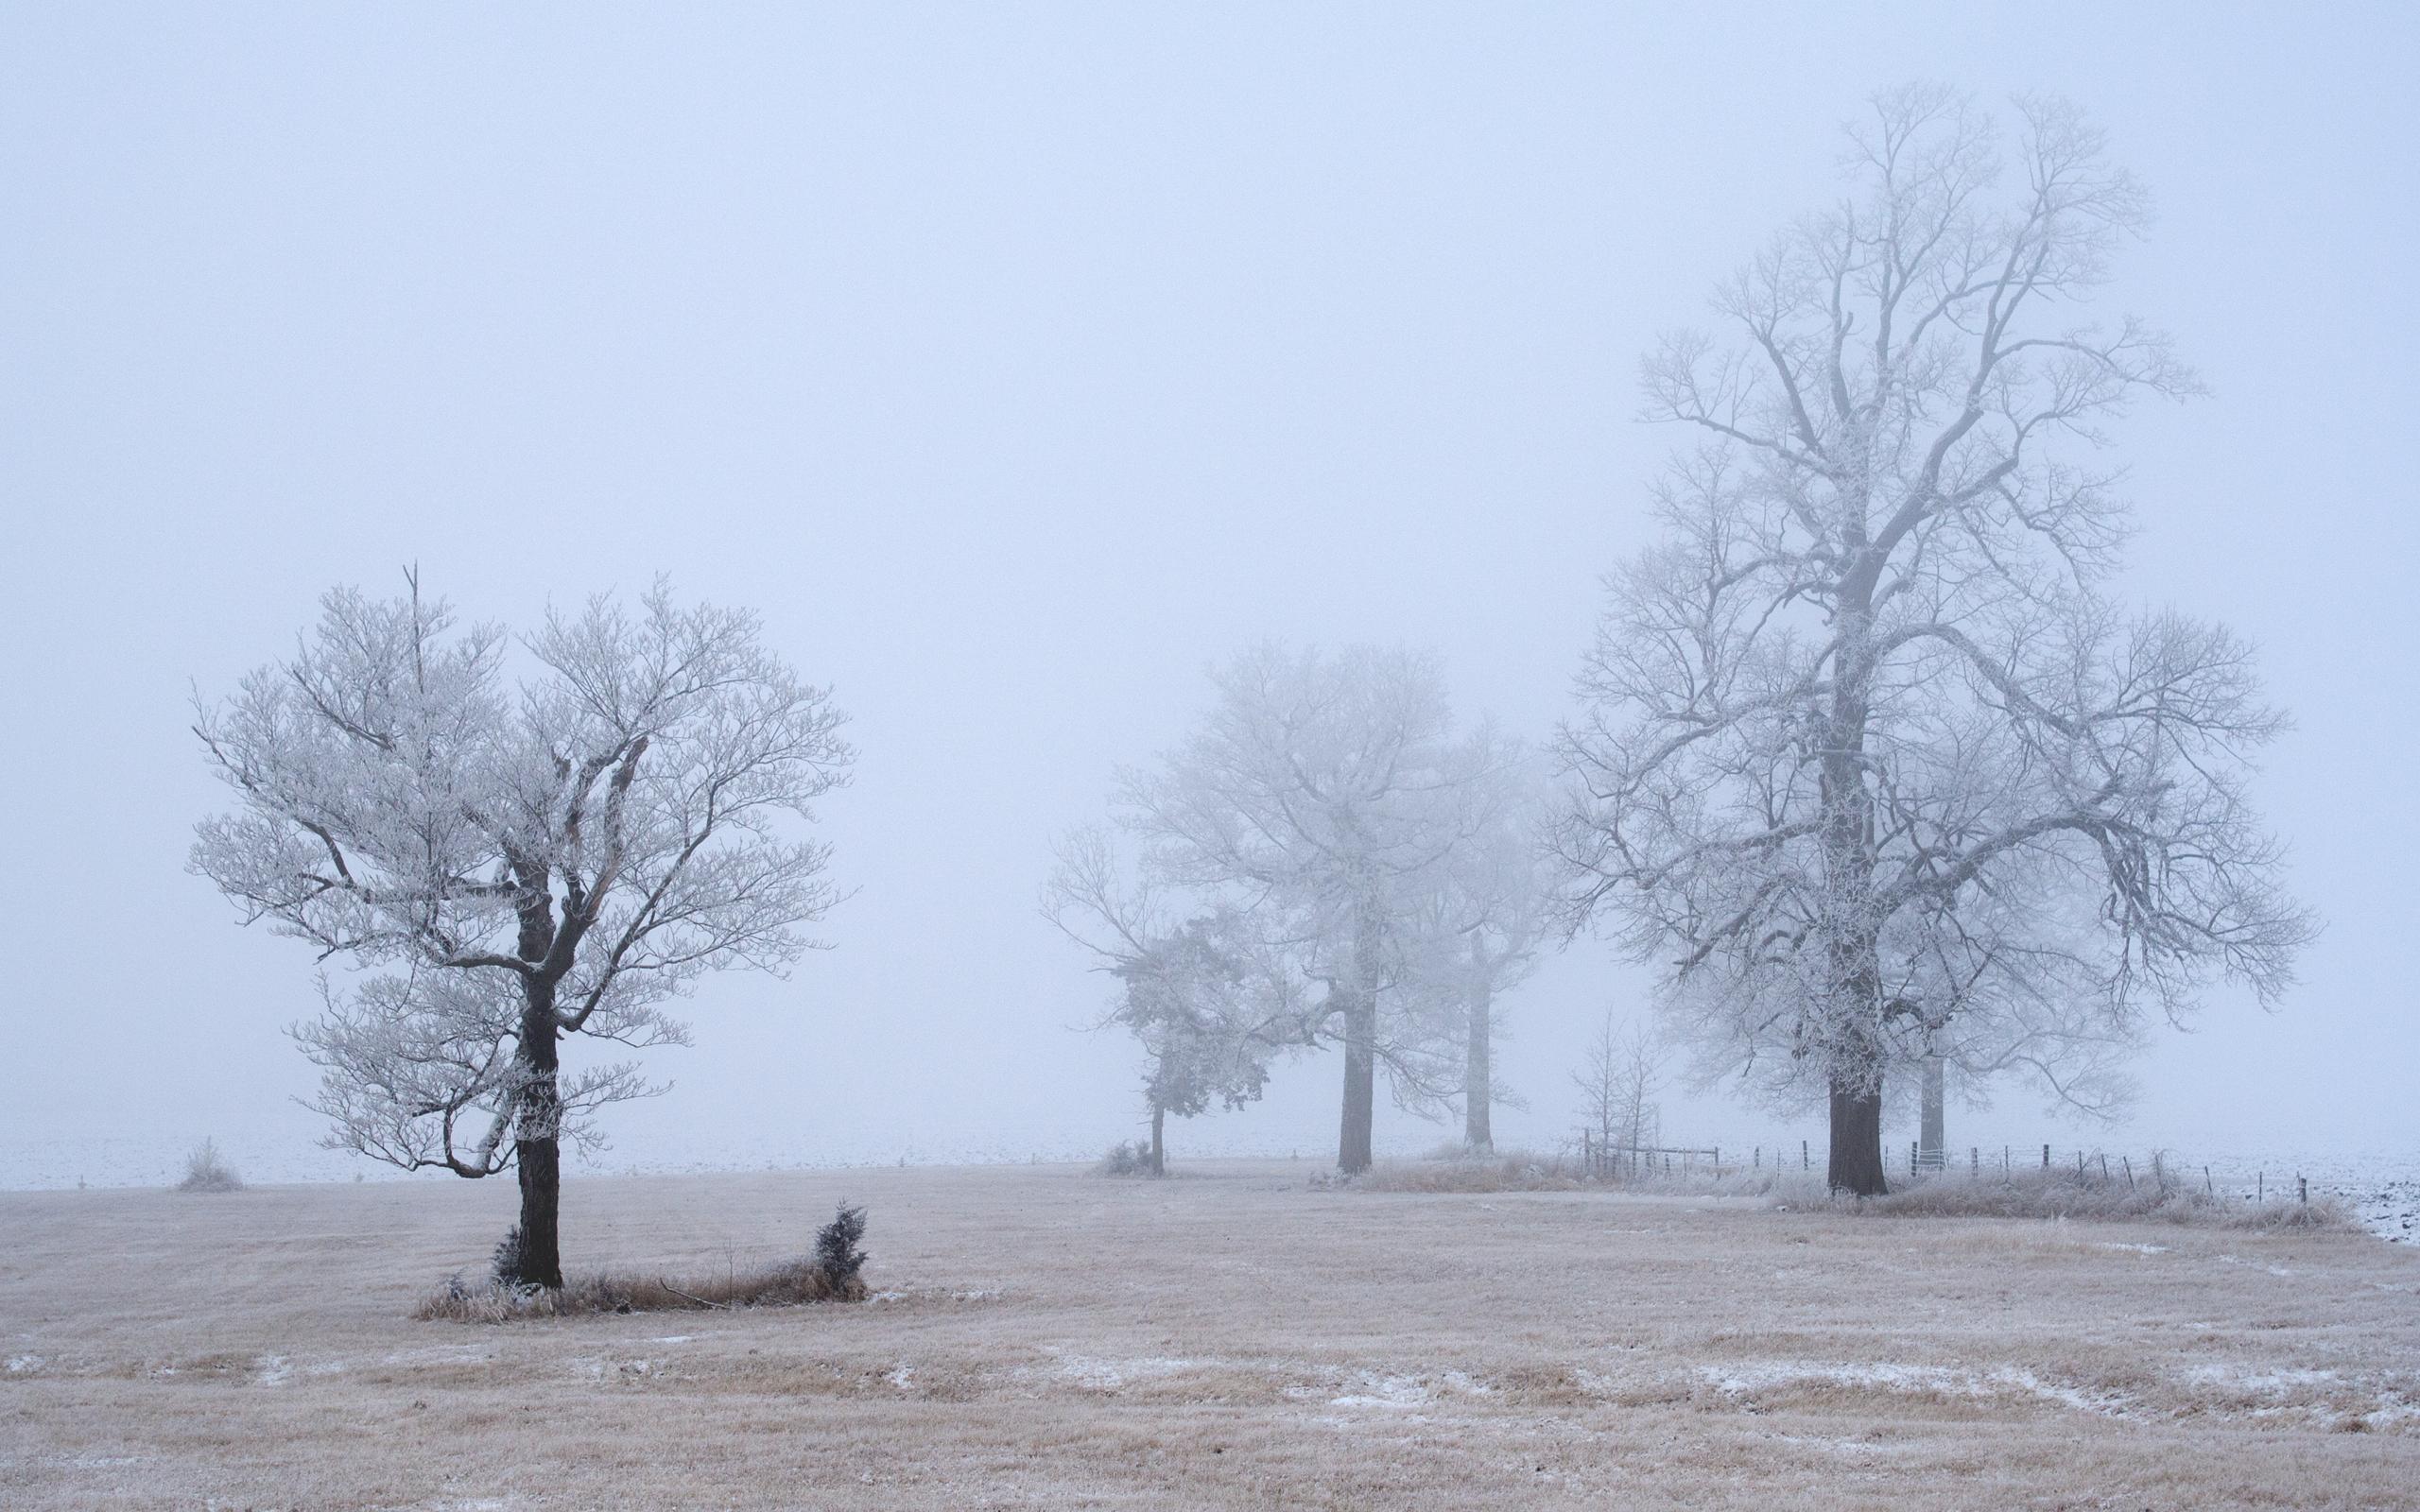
[2060,1195]
[2055,1193]
[789,1285]
[1511,1171]
[1236,1340]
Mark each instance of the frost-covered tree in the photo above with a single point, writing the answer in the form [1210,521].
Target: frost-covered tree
[1865,755]
[1316,801]
[1212,1001]
[1480,919]
[507,861]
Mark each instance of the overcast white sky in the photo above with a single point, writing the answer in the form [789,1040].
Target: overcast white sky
[1017,362]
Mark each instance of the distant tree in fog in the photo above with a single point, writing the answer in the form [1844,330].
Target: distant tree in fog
[508,862]
[1313,808]
[1617,1079]
[1211,1001]
[1478,920]
[1864,756]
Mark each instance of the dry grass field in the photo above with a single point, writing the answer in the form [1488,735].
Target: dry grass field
[1233,1337]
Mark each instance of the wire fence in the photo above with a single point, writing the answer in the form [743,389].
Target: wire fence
[2156,1171]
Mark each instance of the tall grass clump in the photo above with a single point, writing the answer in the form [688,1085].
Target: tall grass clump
[206,1170]
[2053,1193]
[829,1275]
[2056,1193]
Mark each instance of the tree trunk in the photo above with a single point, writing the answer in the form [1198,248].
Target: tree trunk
[1856,1141]
[538,1143]
[1159,1149]
[1477,1076]
[1360,1083]
[1361,1042]
[1852,1014]
[1930,1133]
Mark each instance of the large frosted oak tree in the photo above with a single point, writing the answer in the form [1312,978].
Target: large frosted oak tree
[508,862]
[1865,755]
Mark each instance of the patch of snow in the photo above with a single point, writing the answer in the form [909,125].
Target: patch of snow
[20,1364]
[1743,1380]
[1366,1388]
[2275,1382]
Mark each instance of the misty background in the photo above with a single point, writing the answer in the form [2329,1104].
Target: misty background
[1017,365]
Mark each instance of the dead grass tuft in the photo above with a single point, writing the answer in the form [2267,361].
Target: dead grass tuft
[785,1285]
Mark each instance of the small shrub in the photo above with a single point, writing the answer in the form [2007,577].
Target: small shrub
[836,1245]
[504,1268]
[1126,1158]
[207,1171]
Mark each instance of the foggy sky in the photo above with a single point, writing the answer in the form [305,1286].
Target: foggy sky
[1017,363]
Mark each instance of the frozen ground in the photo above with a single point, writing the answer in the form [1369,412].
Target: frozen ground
[1230,1338]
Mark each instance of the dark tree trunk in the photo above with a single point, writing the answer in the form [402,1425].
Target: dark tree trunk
[1159,1147]
[538,1143]
[538,1124]
[1854,1015]
[1360,1083]
[1856,1141]
[1478,1076]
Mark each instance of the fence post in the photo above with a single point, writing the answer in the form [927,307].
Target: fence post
[1760,1158]
[2046,1157]
[2207,1185]
[1803,1162]
[2303,1184]
[2126,1160]
[1974,1161]
[1911,1159]
[2260,1187]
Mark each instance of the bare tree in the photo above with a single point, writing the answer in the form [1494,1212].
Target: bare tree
[507,864]
[1864,756]
[1316,799]
[1618,1079]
